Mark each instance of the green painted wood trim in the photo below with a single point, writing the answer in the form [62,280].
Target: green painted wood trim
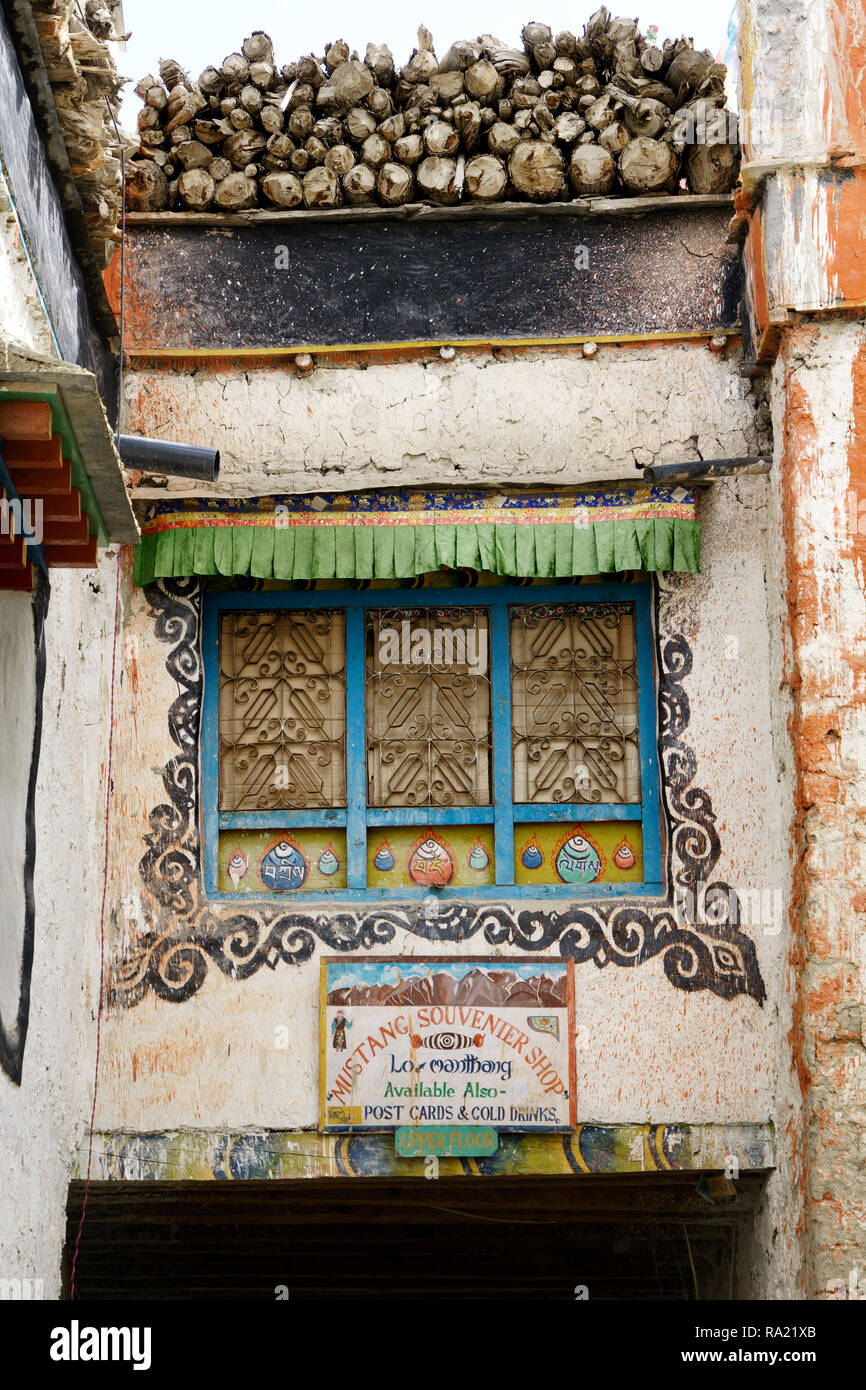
[206,1156]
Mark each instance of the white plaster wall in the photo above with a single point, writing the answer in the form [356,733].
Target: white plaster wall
[44,1121]
[485,418]
[22,318]
[17,705]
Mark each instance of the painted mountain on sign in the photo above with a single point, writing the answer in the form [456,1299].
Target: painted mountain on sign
[481,986]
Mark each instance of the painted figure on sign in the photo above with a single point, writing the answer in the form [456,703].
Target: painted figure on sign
[338,1030]
[431,865]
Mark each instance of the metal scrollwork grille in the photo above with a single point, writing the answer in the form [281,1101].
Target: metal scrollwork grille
[428,707]
[574,691]
[282,714]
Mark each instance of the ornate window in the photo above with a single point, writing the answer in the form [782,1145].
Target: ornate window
[389,744]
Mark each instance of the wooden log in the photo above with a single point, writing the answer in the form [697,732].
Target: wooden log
[420,68]
[172,73]
[281,146]
[393,127]
[437,180]
[502,139]
[409,149]
[600,113]
[146,187]
[447,85]
[309,71]
[196,188]
[235,72]
[460,56]
[712,168]
[467,122]
[648,166]
[352,82]
[375,151]
[243,147]
[219,169]
[339,159]
[263,76]
[536,170]
[651,57]
[283,190]
[209,132]
[380,60]
[509,62]
[359,124]
[614,137]
[486,178]
[688,70]
[236,193]
[302,95]
[251,99]
[194,155]
[525,92]
[591,170]
[395,184]
[379,103]
[316,149]
[441,139]
[359,185]
[271,118]
[321,188]
[483,81]
[335,54]
[259,47]
[568,127]
[148,119]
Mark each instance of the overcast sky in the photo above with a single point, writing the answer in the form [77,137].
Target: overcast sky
[198,33]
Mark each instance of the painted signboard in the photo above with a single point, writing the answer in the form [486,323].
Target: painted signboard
[446,1041]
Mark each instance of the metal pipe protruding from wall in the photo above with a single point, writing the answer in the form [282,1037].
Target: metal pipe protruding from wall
[707,469]
[163,456]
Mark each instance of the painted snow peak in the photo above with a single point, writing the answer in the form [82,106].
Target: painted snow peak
[442,1040]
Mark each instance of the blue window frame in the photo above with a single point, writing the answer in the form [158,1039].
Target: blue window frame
[356,816]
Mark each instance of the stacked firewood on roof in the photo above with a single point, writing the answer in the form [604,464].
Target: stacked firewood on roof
[75,44]
[610,113]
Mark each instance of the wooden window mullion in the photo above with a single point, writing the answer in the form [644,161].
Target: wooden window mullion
[356,752]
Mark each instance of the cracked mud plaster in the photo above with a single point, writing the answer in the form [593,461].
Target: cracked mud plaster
[820,381]
[550,417]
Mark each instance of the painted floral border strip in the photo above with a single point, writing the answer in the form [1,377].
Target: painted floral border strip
[187,933]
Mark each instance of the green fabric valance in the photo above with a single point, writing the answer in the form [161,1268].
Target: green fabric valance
[406,534]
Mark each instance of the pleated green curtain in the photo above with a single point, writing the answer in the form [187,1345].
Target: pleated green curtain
[262,549]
